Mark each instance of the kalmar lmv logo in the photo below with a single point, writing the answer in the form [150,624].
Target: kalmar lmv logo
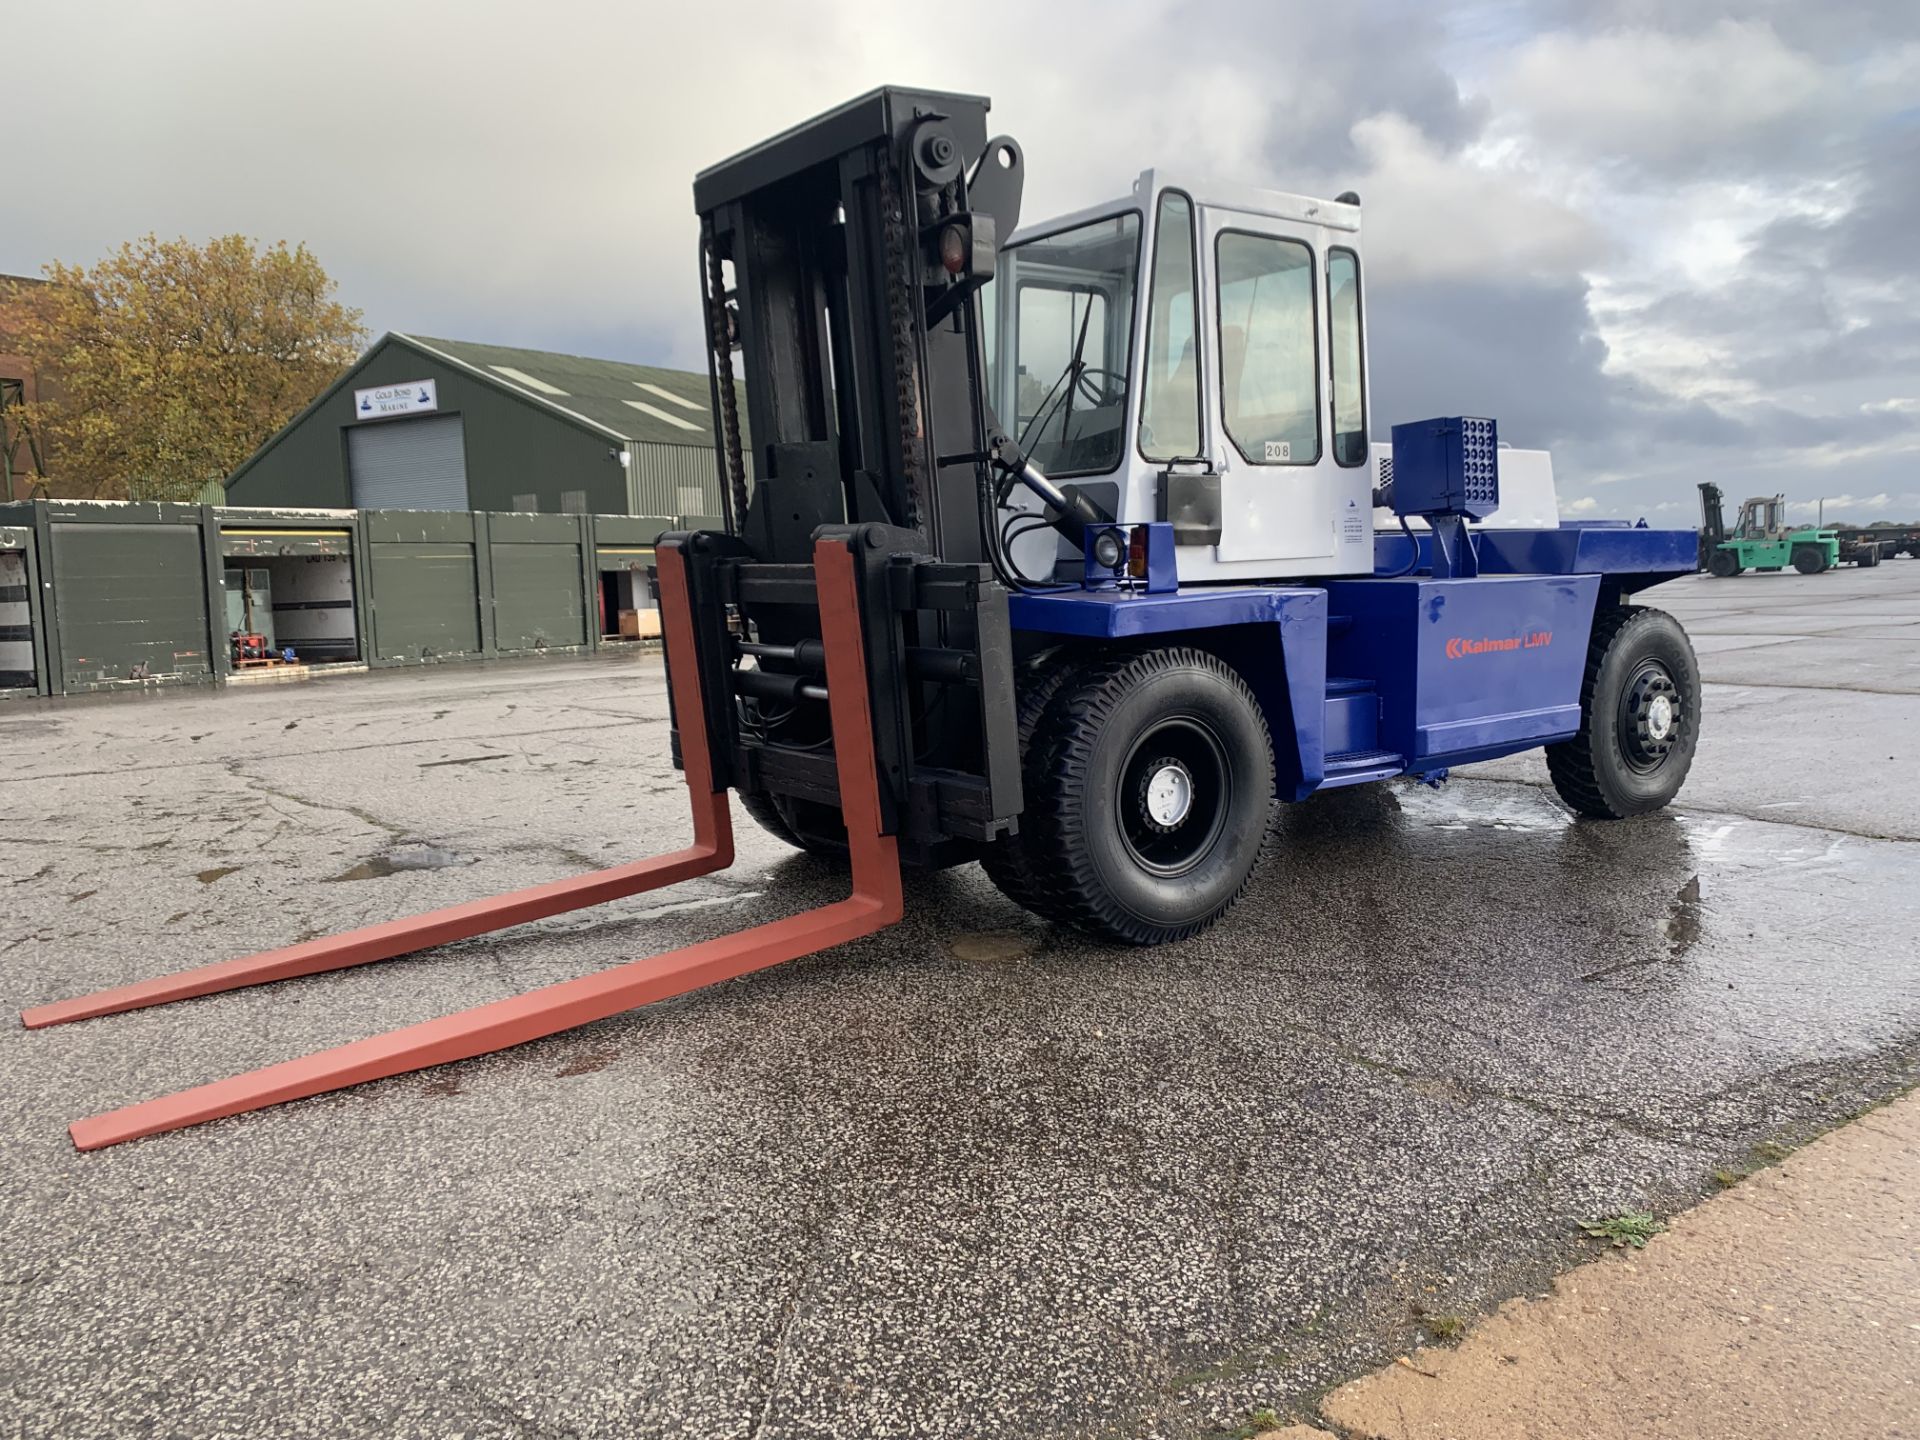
[1459,646]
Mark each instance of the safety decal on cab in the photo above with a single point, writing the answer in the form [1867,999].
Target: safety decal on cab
[1459,646]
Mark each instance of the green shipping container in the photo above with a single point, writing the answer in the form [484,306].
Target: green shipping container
[426,586]
[130,602]
[538,580]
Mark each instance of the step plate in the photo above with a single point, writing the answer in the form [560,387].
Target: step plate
[1355,767]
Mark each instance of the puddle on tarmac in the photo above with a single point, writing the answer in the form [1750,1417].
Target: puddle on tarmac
[1681,928]
[1459,807]
[1682,924]
[394,862]
[993,947]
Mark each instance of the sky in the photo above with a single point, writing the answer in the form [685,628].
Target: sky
[1671,242]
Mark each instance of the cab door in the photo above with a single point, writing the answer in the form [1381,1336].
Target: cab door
[1279,483]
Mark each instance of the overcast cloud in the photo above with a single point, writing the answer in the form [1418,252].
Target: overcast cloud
[1671,241]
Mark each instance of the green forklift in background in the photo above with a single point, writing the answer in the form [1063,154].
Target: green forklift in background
[1760,538]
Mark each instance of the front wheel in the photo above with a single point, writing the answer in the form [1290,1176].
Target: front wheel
[1639,718]
[1723,566]
[1149,788]
[804,824]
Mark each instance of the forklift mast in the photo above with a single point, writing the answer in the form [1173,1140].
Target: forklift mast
[841,263]
[1713,521]
[854,245]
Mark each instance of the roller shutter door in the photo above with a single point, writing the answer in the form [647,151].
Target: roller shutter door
[130,602]
[409,464]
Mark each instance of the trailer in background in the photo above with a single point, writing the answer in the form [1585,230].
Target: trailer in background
[1870,544]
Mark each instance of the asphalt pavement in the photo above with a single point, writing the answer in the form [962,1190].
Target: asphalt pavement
[971,1177]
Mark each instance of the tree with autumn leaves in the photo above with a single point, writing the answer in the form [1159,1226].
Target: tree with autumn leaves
[169,362]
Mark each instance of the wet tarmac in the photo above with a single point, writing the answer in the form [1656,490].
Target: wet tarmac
[971,1177]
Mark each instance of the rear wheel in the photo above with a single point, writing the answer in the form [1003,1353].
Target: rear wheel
[1869,557]
[1724,565]
[1808,560]
[1149,788]
[1639,718]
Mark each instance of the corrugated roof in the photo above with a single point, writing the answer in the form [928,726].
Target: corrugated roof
[640,402]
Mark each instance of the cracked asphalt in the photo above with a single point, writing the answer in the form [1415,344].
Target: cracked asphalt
[971,1177]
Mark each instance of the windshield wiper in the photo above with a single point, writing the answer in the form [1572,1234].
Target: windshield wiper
[1076,367]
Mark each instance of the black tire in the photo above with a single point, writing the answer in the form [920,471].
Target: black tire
[1808,560]
[1623,762]
[1869,557]
[1012,863]
[1122,746]
[1724,565]
[803,824]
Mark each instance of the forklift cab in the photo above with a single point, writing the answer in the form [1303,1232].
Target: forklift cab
[1761,519]
[1194,353]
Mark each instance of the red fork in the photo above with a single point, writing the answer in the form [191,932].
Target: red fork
[874,904]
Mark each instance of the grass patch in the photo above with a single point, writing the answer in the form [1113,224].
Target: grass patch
[1727,1179]
[1231,1368]
[1771,1152]
[1445,1328]
[1258,1422]
[1630,1227]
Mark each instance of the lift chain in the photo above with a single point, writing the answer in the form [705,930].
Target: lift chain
[902,296]
[721,343]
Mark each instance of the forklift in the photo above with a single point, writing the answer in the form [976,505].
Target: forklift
[1068,550]
[1762,540]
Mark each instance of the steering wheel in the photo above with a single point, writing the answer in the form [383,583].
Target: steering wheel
[1109,390]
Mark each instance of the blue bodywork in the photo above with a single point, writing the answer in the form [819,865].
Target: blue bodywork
[1629,554]
[1369,677]
[1401,672]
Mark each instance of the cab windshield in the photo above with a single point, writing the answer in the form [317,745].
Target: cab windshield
[1069,324]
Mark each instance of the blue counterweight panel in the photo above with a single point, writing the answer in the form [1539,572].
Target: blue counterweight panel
[1643,557]
[1467,669]
[1446,467]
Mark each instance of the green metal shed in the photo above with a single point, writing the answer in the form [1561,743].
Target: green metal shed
[109,595]
[419,423]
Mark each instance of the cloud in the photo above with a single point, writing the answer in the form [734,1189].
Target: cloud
[1652,98]
[1524,351]
[1835,504]
[1585,505]
[1436,216]
[1668,238]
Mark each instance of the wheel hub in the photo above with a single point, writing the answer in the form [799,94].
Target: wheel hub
[1171,798]
[1660,717]
[1166,795]
[1650,717]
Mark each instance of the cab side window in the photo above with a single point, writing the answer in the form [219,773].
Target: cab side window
[1345,364]
[1268,356]
[1170,403]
